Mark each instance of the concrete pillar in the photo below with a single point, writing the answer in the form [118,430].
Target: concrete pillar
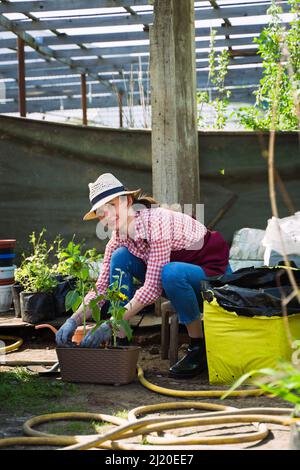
[173,99]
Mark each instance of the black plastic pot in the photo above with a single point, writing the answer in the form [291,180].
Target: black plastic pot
[65,284]
[17,288]
[37,307]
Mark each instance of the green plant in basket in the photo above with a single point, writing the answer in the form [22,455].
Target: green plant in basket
[115,296]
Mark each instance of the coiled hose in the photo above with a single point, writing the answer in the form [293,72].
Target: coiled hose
[155,428]
[12,347]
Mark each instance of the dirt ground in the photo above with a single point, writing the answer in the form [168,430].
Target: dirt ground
[119,399]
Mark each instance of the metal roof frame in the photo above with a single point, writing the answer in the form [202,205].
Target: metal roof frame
[109,60]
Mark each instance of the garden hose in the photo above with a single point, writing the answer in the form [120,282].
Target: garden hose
[12,347]
[155,427]
[194,393]
[134,427]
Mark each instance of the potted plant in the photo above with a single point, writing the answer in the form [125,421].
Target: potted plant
[72,263]
[282,381]
[37,270]
[108,364]
[36,283]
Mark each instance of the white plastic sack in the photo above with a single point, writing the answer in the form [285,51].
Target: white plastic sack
[246,244]
[282,236]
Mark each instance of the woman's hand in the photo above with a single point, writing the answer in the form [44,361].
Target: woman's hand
[64,335]
[95,338]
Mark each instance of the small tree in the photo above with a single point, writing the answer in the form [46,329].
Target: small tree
[280,84]
[218,69]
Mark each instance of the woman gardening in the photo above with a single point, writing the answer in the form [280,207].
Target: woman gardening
[169,252]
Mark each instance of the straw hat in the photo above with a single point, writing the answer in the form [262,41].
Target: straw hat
[103,190]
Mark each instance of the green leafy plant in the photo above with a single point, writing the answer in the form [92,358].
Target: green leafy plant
[113,294]
[218,69]
[35,273]
[76,264]
[282,381]
[280,84]
[72,258]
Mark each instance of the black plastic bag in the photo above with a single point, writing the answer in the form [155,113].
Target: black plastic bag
[257,277]
[17,288]
[37,307]
[253,291]
[65,285]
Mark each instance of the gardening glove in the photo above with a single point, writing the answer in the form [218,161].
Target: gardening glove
[64,335]
[94,339]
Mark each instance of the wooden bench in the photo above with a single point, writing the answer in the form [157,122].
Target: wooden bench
[169,332]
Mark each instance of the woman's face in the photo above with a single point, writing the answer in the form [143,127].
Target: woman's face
[115,213]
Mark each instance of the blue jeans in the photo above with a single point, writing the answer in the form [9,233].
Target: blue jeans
[180,281]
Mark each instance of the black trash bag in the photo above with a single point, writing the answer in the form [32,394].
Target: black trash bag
[257,277]
[17,288]
[37,307]
[253,291]
[65,285]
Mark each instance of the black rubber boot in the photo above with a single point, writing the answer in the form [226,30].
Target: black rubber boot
[192,364]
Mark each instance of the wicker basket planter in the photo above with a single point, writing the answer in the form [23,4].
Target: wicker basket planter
[100,365]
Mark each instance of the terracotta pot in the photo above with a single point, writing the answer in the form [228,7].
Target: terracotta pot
[99,365]
[79,333]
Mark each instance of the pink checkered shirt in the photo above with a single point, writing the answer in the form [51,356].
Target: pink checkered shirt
[157,233]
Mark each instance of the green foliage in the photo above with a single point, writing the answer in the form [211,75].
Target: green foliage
[218,69]
[73,259]
[114,295]
[279,88]
[35,273]
[77,264]
[277,97]
[202,98]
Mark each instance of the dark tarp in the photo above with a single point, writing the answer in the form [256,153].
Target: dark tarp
[254,291]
